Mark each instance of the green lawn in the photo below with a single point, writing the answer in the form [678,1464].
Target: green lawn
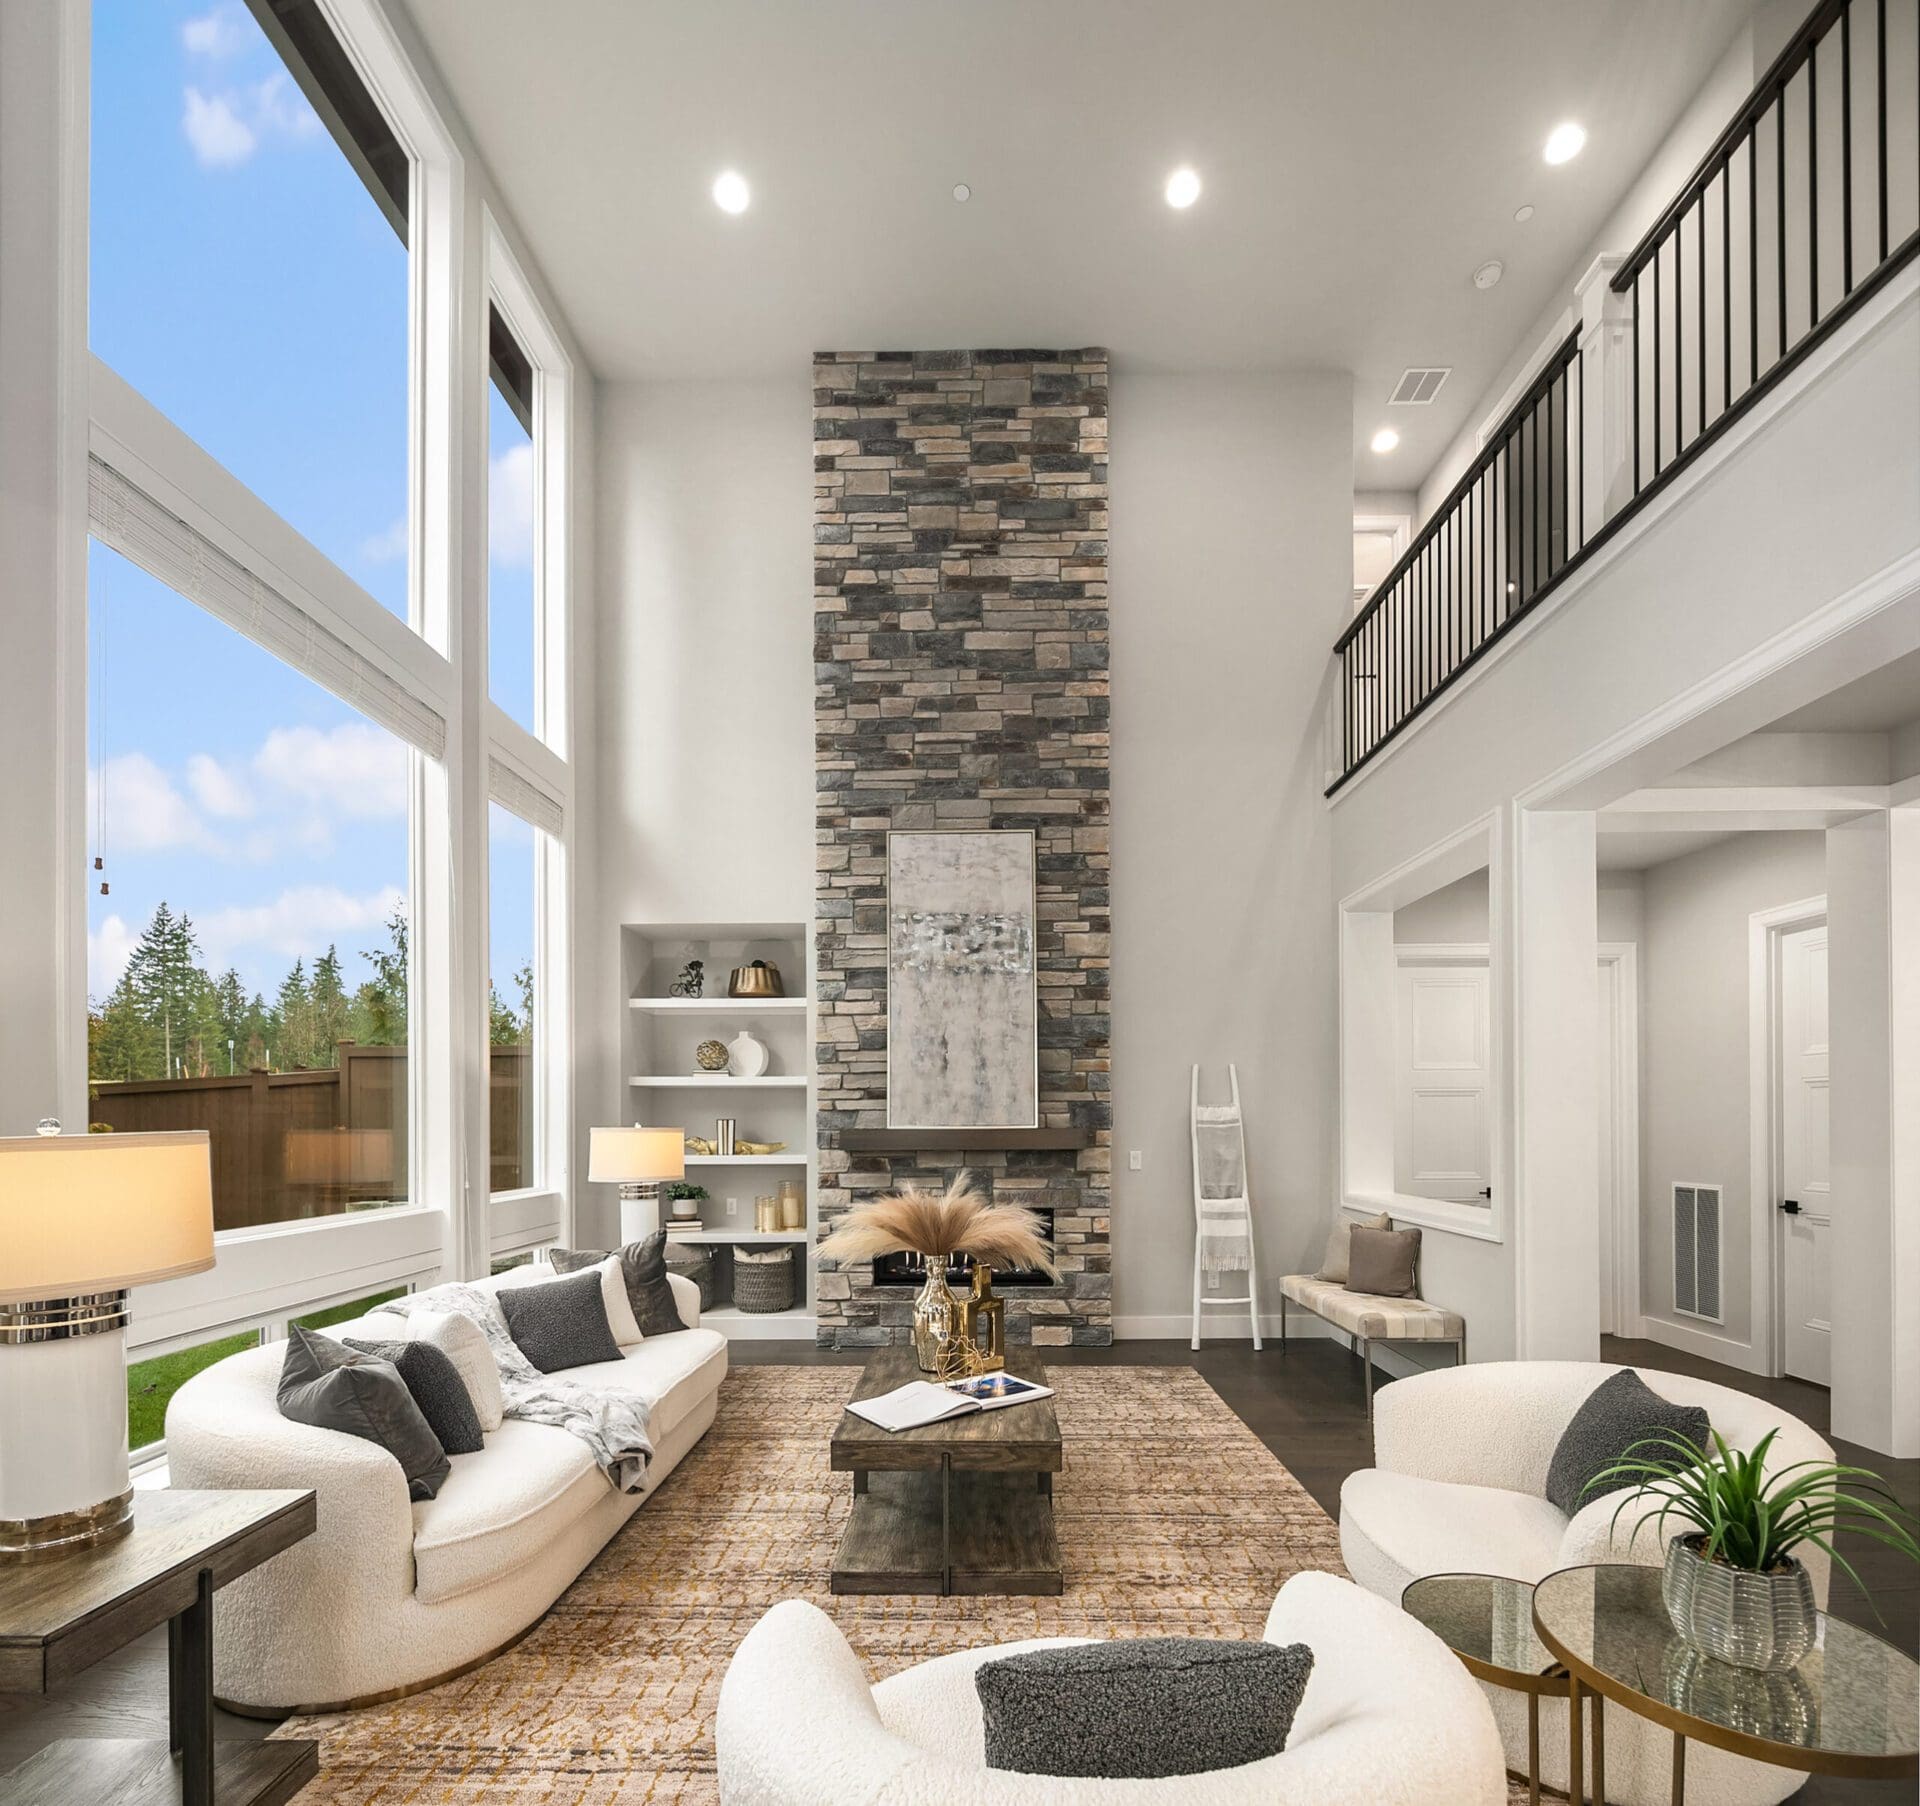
[354,1307]
[151,1384]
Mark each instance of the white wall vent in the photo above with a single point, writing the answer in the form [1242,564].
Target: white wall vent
[1696,1251]
[1416,388]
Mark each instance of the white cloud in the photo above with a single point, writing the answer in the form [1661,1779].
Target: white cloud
[221,139]
[297,924]
[216,789]
[109,947]
[510,507]
[356,770]
[144,810]
[217,34]
[388,546]
[227,126]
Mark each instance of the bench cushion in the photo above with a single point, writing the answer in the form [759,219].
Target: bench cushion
[1376,1318]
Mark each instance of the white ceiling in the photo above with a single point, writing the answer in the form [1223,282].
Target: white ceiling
[1360,157]
[1637,850]
[1875,704]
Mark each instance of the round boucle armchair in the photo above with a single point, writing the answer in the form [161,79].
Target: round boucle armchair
[1389,1718]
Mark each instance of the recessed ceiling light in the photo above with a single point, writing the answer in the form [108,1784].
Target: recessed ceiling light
[1489,273]
[961,192]
[1183,188]
[730,192]
[1522,215]
[1564,142]
[1384,440]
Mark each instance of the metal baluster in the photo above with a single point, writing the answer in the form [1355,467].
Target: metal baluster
[1726,283]
[1656,356]
[1813,184]
[1780,200]
[1846,149]
[1880,84]
[1700,283]
[1753,256]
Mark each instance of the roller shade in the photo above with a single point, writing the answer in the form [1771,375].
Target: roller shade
[523,798]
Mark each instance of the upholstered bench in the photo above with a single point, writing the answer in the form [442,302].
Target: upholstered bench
[1369,1318]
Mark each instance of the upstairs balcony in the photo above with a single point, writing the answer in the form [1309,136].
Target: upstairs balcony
[1805,207]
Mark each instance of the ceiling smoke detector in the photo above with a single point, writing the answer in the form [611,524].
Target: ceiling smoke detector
[1417,388]
[1522,214]
[1489,273]
[961,192]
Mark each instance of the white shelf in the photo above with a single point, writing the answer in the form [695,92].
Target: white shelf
[746,1160]
[737,1235]
[707,1081]
[767,1326]
[713,1006]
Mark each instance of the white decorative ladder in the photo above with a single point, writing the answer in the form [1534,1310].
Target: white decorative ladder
[1222,1208]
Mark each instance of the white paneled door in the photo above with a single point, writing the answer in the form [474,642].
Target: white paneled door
[1806,1197]
[1441,1128]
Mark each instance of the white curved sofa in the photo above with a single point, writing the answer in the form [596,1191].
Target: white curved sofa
[1458,1486]
[387,1596]
[1389,1718]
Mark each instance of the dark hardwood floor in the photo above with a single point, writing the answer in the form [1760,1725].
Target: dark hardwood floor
[1306,1405]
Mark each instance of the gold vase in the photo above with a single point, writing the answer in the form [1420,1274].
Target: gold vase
[936,1315]
[984,1319]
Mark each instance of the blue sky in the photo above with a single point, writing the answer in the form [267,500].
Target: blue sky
[243,280]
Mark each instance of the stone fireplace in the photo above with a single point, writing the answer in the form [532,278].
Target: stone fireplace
[960,663]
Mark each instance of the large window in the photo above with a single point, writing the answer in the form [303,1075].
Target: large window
[248,924]
[512,1094]
[512,617]
[246,277]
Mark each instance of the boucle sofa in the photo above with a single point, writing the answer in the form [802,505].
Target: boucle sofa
[1389,1718]
[388,1597]
[1458,1486]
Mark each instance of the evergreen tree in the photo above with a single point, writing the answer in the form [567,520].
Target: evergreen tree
[328,997]
[120,1044]
[380,1004]
[523,980]
[293,1010]
[171,992]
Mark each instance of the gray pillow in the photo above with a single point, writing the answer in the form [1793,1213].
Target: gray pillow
[328,1385]
[560,1323]
[429,1375]
[1619,1412]
[1333,1263]
[1384,1263]
[1140,1709]
[643,1267]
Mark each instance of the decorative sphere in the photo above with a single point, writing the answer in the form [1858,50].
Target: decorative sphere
[711,1055]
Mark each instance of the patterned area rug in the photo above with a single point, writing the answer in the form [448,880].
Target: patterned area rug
[1174,1519]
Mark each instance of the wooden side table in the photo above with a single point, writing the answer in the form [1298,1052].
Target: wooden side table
[61,1614]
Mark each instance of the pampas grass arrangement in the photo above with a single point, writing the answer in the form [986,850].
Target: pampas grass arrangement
[960,1222]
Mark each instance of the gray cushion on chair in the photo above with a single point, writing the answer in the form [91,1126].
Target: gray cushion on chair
[560,1323]
[328,1385]
[1139,1709]
[643,1268]
[1619,1412]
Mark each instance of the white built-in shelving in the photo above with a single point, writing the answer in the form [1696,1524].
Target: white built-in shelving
[660,1033]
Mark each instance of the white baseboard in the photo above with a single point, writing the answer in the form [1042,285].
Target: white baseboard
[1708,1344]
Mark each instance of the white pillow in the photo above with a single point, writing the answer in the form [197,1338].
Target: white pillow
[464,1343]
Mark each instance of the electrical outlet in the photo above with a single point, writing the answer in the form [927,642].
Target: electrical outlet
[733,1207]
[1133,1160]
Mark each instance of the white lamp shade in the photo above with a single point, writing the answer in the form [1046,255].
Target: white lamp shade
[99,1213]
[636,1156]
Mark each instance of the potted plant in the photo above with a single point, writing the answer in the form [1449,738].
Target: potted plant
[1732,1584]
[683,1200]
[932,1229]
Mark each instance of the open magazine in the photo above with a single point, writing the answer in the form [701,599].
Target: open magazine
[921,1402]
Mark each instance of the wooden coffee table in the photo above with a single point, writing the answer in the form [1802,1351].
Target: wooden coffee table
[964,1506]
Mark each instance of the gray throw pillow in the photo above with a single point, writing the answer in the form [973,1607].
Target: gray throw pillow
[560,1323]
[1333,1263]
[436,1387]
[332,1387]
[1619,1412]
[1384,1263]
[643,1268]
[1140,1709]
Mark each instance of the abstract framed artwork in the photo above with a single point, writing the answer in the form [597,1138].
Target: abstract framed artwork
[963,1045]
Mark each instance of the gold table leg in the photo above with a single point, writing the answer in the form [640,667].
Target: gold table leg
[1576,1769]
[1599,1750]
[1533,1749]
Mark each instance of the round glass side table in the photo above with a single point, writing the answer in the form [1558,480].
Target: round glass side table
[1849,1708]
[1487,1621]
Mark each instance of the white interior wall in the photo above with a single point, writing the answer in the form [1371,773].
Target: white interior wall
[1232,501]
[1457,913]
[1696,1115]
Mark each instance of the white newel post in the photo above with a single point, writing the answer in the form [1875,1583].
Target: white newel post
[1606,398]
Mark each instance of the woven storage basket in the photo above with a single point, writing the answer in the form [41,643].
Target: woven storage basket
[690,1264]
[763,1281]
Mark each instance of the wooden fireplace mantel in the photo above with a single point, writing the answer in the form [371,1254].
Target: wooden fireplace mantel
[957,1141]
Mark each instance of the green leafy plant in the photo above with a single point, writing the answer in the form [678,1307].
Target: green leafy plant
[681,1188]
[1748,1518]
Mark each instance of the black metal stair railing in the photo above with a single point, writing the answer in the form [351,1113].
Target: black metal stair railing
[1804,207]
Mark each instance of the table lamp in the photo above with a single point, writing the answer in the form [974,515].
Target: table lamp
[82,1219]
[639,1161]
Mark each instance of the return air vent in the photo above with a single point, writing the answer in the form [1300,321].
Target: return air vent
[1696,1251]
[1417,388]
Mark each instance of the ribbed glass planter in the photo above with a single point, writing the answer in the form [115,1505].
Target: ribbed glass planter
[1759,1621]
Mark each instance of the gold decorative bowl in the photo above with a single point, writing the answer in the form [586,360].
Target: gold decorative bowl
[712,1056]
[761,979]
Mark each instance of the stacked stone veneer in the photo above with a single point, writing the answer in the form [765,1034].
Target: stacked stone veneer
[960,648]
